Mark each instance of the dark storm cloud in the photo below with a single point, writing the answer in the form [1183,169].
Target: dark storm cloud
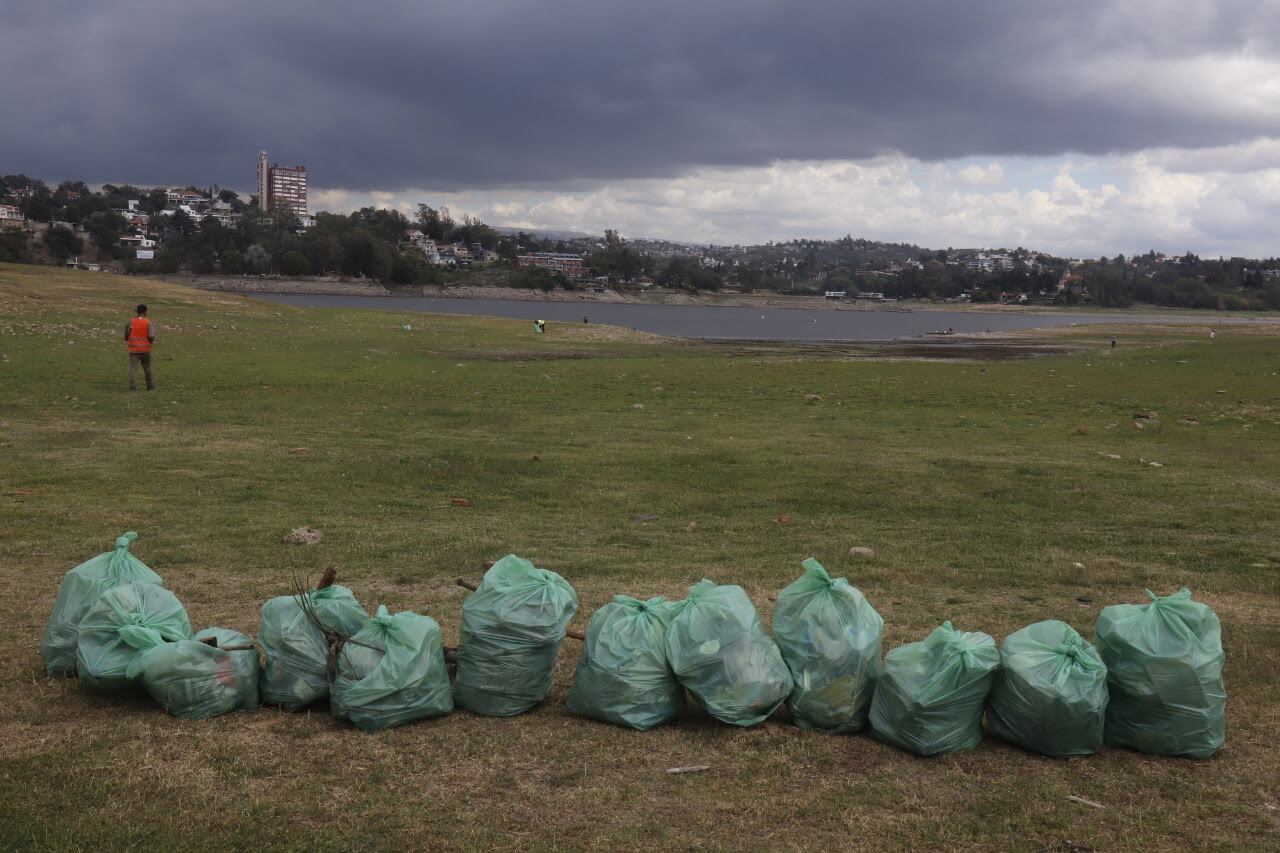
[387,95]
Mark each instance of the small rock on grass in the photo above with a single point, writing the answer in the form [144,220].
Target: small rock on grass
[862,551]
[302,536]
[812,398]
[784,519]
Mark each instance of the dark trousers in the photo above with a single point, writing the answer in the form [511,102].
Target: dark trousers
[143,358]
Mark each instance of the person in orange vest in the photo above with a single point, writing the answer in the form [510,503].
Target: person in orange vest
[139,334]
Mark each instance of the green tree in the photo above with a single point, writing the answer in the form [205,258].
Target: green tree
[295,263]
[231,263]
[62,242]
[13,246]
[105,228]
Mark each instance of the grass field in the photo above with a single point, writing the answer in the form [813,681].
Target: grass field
[988,492]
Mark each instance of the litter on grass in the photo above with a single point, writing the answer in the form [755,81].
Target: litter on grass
[391,672]
[124,622]
[512,627]
[623,676]
[80,589]
[720,652]
[829,636]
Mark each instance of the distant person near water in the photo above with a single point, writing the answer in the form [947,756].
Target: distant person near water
[539,326]
[1212,334]
[139,334]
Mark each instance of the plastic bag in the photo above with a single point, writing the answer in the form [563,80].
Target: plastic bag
[1164,670]
[929,698]
[295,652]
[391,672]
[194,681]
[512,626]
[829,636]
[124,622]
[719,651]
[623,676]
[80,588]
[1050,694]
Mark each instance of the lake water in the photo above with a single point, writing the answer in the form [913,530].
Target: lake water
[732,323]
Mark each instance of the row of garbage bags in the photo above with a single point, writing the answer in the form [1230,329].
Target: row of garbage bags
[1152,682]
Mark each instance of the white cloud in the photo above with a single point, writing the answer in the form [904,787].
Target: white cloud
[991,175]
[1211,201]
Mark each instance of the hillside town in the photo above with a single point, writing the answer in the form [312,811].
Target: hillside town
[206,231]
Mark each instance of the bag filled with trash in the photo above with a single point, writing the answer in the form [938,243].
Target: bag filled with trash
[720,652]
[512,627]
[126,621]
[829,635]
[80,588]
[1164,672]
[295,651]
[623,676]
[391,672]
[1050,694]
[194,679]
[929,698]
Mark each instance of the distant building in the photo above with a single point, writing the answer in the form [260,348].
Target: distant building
[11,217]
[282,185]
[424,244]
[570,265]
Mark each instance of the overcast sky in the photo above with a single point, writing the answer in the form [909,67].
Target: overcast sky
[1086,128]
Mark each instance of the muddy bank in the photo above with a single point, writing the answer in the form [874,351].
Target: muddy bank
[271,284]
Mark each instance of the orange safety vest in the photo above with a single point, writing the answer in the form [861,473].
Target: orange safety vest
[139,335]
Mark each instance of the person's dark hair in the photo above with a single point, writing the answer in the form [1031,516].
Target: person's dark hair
[142,309]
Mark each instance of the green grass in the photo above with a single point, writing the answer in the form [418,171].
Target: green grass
[980,486]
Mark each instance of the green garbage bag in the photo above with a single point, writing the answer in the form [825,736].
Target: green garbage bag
[720,652]
[512,626]
[194,681]
[124,622]
[1164,670]
[829,636]
[391,672]
[929,698]
[1050,694]
[295,653]
[80,588]
[623,676]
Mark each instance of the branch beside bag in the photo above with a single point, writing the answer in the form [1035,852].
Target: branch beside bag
[391,672]
[297,634]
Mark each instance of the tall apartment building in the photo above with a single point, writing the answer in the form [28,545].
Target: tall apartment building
[285,185]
